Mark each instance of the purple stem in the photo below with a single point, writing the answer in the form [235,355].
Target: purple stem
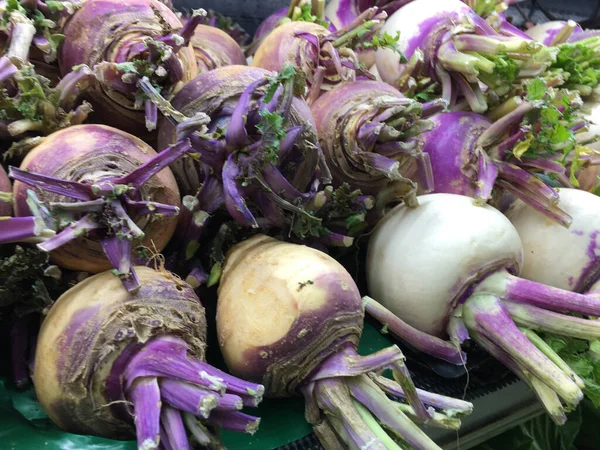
[235,421]
[150,168]
[145,396]
[21,229]
[151,115]
[188,397]
[498,129]
[236,135]
[199,432]
[234,199]
[402,376]
[197,277]
[486,176]
[230,402]
[421,341]
[118,252]
[7,69]
[147,207]
[70,233]
[71,189]
[429,398]
[73,85]
[174,428]
[487,315]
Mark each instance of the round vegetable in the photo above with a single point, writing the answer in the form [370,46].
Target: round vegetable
[302,319]
[446,41]
[215,48]
[122,42]
[367,130]
[554,32]
[448,268]
[107,191]
[140,356]
[325,57]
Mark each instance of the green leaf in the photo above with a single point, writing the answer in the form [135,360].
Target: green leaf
[536,89]
[271,126]
[384,40]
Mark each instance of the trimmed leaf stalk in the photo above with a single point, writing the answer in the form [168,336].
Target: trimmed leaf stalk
[374,145]
[315,354]
[476,294]
[152,379]
[122,43]
[326,58]
[108,199]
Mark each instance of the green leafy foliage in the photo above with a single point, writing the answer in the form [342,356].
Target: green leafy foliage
[580,62]
[384,40]
[287,74]
[271,127]
[304,14]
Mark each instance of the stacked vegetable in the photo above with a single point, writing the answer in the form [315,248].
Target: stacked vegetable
[141,148]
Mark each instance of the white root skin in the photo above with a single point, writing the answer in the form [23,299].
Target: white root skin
[408,20]
[419,258]
[543,31]
[554,255]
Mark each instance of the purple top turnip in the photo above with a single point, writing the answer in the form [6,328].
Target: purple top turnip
[215,48]
[446,41]
[325,57]
[448,268]
[123,42]
[141,356]
[367,130]
[106,190]
[290,317]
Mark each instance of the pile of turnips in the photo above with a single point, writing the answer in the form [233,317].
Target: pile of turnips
[154,158]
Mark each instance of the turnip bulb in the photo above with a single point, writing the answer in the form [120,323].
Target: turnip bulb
[450,268]
[123,42]
[471,155]
[369,133]
[141,357]
[215,48]
[326,58]
[259,157]
[106,192]
[445,41]
[290,317]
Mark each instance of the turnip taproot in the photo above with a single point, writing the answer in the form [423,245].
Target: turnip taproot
[122,42]
[107,190]
[115,364]
[290,317]
[449,268]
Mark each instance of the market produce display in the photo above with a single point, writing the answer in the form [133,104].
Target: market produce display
[422,164]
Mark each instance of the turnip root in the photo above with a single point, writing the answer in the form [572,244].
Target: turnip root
[215,48]
[123,42]
[444,40]
[369,134]
[449,268]
[290,317]
[105,190]
[325,57]
[114,364]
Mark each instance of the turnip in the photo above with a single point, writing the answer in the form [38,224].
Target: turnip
[260,158]
[114,364]
[290,317]
[107,191]
[446,41]
[554,32]
[215,48]
[123,42]
[449,268]
[368,131]
[326,58]
[536,138]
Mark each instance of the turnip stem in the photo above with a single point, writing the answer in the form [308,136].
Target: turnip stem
[553,356]
[199,432]
[71,189]
[21,36]
[447,404]
[235,421]
[70,233]
[334,398]
[457,331]
[421,341]
[438,420]
[348,363]
[373,398]
[487,315]
[72,85]
[145,395]
[552,322]
[486,176]
[486,44]
[545,394]
[498,129]
[7,68]
[403,378]
[23,229]
[174,428]
[529,292]
[188,397]
[230,402]
[387,441]
[327,436]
